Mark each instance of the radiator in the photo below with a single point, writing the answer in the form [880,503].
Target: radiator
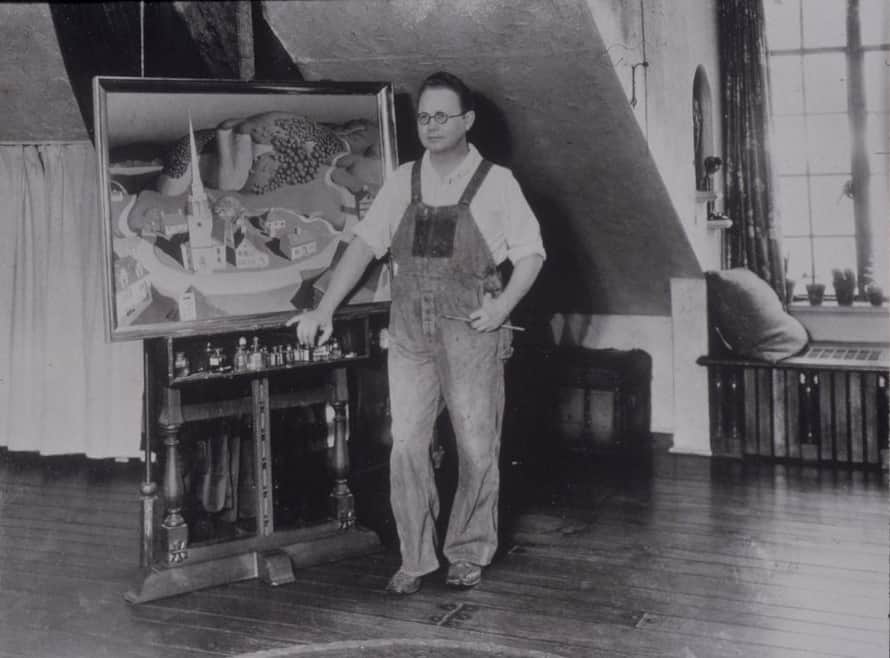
[827,405]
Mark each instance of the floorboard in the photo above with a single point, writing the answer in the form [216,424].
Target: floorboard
[664,555]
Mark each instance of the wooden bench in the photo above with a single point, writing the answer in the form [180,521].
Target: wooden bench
[829,405]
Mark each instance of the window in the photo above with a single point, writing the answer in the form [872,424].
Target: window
[829,63]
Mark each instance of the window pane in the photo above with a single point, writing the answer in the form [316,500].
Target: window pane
[874,15]
[879,213]
[833,253]
[786,83]
[824,23]
[881,272]
[825,82]
[782,23]
[878,142]
[790,149]
[832,209]
[877,81]
[829,143]
[880,227]
[793,208]
[798,252]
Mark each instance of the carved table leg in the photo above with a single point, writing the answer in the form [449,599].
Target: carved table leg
[341,500]
[262,456]
[148,490]
[174,526]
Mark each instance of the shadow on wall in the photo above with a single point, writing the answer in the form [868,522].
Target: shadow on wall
[102,39]
[491,132]
[561,284]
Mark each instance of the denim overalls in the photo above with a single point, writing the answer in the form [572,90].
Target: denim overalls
[442,267]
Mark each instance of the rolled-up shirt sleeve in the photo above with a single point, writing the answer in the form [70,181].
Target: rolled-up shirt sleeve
[522,233]
[379,225]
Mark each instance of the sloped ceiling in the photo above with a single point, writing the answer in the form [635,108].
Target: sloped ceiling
[552,109]
[555,112]
[36,97]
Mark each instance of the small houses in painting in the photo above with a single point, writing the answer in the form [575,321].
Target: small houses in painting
[276,223]
[133,289]
[249,250]
[298,246]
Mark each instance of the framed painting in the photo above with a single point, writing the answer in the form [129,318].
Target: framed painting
[225,204]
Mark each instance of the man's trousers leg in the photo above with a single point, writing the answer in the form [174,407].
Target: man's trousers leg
[472,375]
[414,400]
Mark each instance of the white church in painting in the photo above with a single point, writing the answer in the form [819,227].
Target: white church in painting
[206,247]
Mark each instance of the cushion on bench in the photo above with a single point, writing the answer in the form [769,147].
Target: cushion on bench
[749,317]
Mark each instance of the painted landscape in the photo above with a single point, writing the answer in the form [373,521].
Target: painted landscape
[251,229]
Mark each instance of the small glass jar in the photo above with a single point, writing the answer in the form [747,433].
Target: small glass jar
[221,360]
[241,354]
[181,365]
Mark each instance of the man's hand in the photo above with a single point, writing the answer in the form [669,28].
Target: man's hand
[490,316]
[309,324]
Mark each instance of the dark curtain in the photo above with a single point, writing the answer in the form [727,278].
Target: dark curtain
[96,39]
[750,184]
[103,38]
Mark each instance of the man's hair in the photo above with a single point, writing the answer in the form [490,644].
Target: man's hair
[445,80]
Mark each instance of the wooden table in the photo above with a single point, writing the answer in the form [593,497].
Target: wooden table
[173,565]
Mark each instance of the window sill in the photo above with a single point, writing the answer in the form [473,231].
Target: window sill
[829,306]
[860,322]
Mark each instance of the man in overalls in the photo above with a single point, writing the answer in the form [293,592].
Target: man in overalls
[448,220]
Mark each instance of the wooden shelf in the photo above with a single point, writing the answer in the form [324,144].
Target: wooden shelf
[704,196]
[719,224]
[263,372]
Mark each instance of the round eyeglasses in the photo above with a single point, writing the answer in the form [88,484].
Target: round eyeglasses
[423,118]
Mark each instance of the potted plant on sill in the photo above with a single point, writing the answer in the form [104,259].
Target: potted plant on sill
[844,286]
[875,294]
[789,283]
[815,290]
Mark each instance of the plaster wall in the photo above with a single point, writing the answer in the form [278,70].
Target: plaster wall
[674,37]
[681,35]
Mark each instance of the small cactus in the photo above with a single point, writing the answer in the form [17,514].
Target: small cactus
[844,285]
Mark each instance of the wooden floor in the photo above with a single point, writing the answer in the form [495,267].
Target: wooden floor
[683,556]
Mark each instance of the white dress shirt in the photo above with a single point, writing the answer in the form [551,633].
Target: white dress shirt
[503,216]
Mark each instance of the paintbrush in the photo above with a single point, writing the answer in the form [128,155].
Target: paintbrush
[511,327]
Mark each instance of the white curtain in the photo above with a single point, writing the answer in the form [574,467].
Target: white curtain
[63,388]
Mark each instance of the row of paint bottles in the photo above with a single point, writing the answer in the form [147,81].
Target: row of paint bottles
[257,357]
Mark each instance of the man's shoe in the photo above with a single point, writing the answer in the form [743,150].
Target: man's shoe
[463,574]
[401,584]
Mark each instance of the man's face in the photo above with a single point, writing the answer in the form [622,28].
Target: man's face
[441,138]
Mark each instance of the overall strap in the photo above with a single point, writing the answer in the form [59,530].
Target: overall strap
[415,182]
[475,183]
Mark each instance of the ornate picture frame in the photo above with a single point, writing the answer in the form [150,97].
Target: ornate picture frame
[285,171]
